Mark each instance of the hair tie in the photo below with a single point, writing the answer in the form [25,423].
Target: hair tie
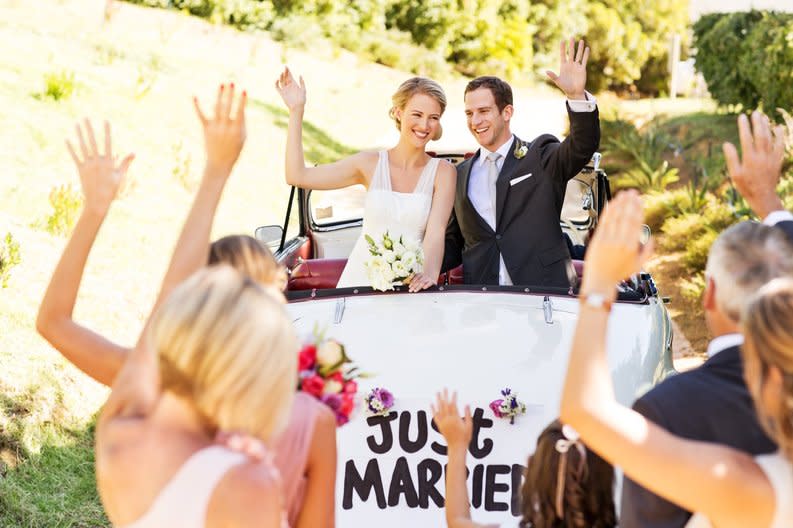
[570,439]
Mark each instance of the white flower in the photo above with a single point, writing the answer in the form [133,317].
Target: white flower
[409,259]
[332,387]
[400,270]
[399,248]
[389,256]
[329,354]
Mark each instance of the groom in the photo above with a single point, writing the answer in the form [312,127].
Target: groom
[505,224]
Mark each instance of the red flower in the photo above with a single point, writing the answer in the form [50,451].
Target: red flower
[336,376]
[350,387]
[307,357]
[347,403]
[313,385]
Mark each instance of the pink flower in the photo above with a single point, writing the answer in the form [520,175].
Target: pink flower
[307,357]
[350,387]
[495,406]
[313,385]
[347,403]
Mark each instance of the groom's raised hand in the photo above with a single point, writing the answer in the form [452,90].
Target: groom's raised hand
[572,70]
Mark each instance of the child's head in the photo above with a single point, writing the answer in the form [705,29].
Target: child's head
[566,484]
[248,256]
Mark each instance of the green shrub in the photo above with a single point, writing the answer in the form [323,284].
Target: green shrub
[680,229]
[10,257]
[696,254]
[66,203]
[59,85]
[693,288]
[747,58]
[658,206]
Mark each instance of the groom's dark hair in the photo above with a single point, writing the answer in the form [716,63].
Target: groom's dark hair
[501,91]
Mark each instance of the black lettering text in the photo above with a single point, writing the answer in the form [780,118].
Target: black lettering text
[363,486]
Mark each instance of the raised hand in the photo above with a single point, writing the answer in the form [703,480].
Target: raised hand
[457,431]
[224,132]
[615,252]
[293,94]
[757,175]
[572,70]
[100,174]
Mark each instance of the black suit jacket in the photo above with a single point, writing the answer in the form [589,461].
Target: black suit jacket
[710,403]
[527,232]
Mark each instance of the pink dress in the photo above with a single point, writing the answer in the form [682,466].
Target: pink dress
[184,500]
[291,449]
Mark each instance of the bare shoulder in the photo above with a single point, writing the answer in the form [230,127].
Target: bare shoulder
[325,423]
[447,173]
[248,495]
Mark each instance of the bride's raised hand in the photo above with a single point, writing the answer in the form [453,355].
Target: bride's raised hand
[292,92]
[100,174]
[224,130]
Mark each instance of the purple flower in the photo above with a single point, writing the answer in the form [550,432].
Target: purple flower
[495,406]
[385,397]
[333,401]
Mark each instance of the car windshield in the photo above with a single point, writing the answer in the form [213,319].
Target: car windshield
[337,206]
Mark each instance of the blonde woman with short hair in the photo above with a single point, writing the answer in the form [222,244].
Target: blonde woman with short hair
[409,193]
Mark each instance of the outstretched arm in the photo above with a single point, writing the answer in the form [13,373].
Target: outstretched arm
[457,433]
[137,387]
[724,484]
[100,178]
[435,234]
[757,175]
[345,172]
[568,158]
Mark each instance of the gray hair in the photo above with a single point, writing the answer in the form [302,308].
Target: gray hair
[743,258]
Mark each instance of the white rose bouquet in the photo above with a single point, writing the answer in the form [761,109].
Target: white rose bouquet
[392,261]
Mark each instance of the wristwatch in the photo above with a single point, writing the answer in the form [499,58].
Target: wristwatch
[596,300]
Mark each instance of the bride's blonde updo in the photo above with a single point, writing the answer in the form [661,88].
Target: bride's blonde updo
[768,329]
[411,87]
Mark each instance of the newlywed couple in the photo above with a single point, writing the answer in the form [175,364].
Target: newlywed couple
[497,213]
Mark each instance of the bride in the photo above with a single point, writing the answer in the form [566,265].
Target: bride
[409,193]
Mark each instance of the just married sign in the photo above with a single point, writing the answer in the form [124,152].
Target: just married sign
[391,469]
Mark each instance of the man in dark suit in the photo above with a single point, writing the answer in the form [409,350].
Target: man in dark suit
[505,225]
[712,403]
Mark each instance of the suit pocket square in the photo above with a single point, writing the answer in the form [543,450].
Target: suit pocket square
[515,181]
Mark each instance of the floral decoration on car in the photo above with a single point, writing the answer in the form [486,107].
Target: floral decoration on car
[325,372]
[508,406]
[379,401]
[393,261]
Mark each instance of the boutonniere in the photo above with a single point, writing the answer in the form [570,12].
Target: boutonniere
[508,406]
[520,150]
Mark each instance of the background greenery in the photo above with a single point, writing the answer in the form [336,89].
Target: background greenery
[472,37]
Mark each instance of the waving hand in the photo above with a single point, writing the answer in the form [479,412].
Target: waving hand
[572,70]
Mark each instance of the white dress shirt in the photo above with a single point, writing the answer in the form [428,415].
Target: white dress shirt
[777,216]
[480,192]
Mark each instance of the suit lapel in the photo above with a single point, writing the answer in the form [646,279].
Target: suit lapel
[502,184]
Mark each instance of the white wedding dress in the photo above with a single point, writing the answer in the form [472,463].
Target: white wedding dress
[401,214]
[779,471]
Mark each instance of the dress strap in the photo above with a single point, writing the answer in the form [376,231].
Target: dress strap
[187,494]
[779,472]
[381,179]
[426,182]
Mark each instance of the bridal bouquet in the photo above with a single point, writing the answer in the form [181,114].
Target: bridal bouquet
[393,261]
[325,372]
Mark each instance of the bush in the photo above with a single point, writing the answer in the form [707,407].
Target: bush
[658,206]
[747,58]
[66,203]
[680,229]
[692,289]
[59,85]
[696,255]
[9,257]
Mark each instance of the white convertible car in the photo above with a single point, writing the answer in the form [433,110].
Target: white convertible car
[474,339]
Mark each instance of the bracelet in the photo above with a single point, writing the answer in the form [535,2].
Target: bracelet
[596,300]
